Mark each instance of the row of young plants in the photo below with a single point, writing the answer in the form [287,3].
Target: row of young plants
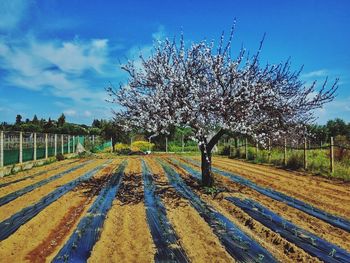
[163,234]
[81,242]
[35,175]
[11,224]
[293,202]
[237,243]
[14,195]
[312,244]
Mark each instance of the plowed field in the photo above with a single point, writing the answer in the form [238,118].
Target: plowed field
[153,209]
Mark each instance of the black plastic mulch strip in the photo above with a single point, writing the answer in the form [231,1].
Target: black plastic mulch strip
[163,234]
[34,175]
[10,225]
[293,202]
[312,244]
[14,195]
[197,175]
[238,244]
[81,242]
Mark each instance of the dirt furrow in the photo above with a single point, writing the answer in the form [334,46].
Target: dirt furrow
[25,200]
[333,202]
[195,235]
[17,186]
[318,227]
[282,249]
[48,230]
[125,235]
[334,185]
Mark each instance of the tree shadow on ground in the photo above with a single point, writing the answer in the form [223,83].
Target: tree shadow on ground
[131,189]
[167,193]
[93,186]
[217,191]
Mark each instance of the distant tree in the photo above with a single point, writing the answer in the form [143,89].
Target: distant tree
[61,120]
[27,120]
[212,93]
[48,126]
[94,131]
[18,119]
[114,130]
[337,127]
[35,120]
[96,123]
[319,133]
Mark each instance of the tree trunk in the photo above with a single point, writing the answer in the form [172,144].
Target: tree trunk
[207,175]
[206,148]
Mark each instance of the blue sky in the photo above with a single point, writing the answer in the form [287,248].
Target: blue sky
[58,56]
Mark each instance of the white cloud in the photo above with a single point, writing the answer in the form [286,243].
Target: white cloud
[339,108]
[70,112]
[56,67]
[73,73]
[315,74]
[11,13]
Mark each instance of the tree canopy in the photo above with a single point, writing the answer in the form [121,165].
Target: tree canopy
[205,88]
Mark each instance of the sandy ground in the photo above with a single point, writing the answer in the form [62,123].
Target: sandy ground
[48,231]
[32,197]
[312,224]
[125,236]
[331,196]
[34,170]
[196,237]
[19,185]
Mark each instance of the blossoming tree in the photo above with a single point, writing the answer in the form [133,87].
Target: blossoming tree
[207,89]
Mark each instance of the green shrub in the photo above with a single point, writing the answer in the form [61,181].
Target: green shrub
[295,161]
[187,148]
[122,148]
[141,146]
[224,150]
[59,157]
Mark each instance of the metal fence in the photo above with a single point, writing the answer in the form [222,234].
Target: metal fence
[19,147]
[331,158]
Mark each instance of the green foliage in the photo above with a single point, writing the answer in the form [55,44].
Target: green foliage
[59,157]
[224,150]
[122,148]
[295,161]
[141,146]
[213,191]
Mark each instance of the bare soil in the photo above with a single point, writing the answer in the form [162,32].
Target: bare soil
[125,235]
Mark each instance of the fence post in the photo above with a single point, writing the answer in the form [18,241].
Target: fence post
[111,144]
[93,140]
[257,150]
[166,144]
[285,152]
[332,156]
[20,147]
[46,146]
[182,142]
[62,146]
[1,149]
[305,153]
[34,147]
[68,143]
[269,156]
[73,143]
[246,148]
[55,144]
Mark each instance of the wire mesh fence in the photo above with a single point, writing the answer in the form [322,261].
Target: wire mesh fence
[326,158]
[17,147]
